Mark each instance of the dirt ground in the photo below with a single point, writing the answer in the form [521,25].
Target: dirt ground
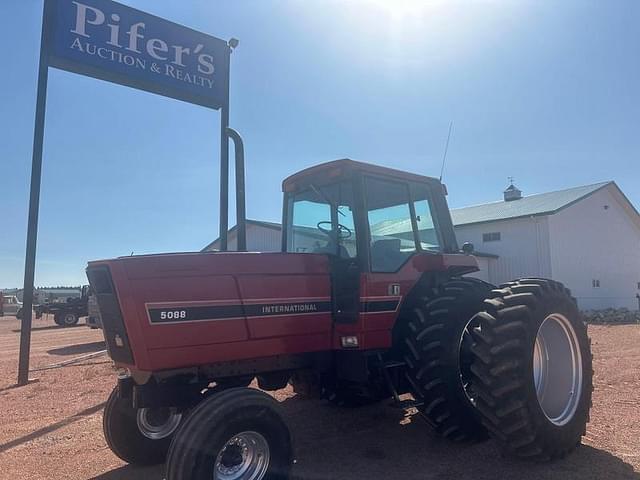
[52,427]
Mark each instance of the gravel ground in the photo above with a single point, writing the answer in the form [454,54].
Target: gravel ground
[52,427]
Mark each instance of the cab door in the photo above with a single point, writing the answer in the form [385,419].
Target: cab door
[391,243]
[322,220]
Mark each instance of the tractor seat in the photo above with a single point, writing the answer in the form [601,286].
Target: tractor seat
[386,255]
[330,249]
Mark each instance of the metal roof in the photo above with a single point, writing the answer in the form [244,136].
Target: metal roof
[345,167]
[531,205]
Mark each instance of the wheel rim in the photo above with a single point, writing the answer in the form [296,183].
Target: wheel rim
[69,319]
[466,359]
[157,423]
[245,456]
[557,369]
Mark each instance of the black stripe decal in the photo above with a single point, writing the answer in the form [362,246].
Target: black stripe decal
[220,312]
[377,306]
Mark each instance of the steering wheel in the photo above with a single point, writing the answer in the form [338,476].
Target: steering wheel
[343,232]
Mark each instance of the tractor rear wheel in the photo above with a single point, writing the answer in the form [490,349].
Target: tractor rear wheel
[238,434]
[436,347]
[138,436]
[532,369]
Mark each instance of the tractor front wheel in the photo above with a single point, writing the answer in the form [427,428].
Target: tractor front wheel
[235,434]
[138,436]
[532,369]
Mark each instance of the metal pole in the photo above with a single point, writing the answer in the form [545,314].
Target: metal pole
[224,178]
[224,166]
[241,215]
[34,204]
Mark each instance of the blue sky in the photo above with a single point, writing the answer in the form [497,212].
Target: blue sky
[547,92]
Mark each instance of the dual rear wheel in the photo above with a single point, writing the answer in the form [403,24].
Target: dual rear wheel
[514,363]
[532,369]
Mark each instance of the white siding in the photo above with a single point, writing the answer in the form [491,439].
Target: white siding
[259,239]
[487,265]
[523,248]
[590,243]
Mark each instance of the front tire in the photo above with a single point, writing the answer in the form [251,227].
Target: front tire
[138,436]
[238,433]
[436,348]
[532,369]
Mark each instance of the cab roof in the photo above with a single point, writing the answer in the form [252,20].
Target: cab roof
[331,171]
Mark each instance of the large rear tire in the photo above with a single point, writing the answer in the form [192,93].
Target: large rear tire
[138,436]
[436,348]
[235,434]
[532,369]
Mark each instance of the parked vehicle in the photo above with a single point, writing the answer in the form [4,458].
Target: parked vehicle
[66,313]
[10,305]
[379,307]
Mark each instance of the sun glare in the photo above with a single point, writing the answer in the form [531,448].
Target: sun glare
[401,9]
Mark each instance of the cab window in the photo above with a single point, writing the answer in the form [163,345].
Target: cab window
[321,221]
[391,236]
[427,229]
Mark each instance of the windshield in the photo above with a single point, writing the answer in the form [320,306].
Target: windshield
[320,220]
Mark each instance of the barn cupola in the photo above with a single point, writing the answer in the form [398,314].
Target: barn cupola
[512,192]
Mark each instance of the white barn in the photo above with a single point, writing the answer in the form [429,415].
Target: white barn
[587,237]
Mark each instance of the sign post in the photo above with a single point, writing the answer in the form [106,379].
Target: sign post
[110,41]
[34,208]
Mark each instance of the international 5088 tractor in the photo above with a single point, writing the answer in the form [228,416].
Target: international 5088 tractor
[367,301]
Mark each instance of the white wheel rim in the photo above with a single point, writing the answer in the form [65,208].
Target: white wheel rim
[244,457]
[157,423]
[557,369]
[464,381]
[69,318]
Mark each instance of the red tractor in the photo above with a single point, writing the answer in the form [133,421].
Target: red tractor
[367,301]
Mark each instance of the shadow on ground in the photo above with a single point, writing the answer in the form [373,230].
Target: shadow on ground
[78,349]
[51,327]
[50,428]
[129,472]
[381,442]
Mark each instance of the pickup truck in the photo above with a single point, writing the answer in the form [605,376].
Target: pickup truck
[10,305]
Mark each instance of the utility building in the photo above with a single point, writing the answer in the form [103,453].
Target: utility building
[587,237]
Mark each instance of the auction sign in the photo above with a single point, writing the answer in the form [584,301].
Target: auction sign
[116,43]
[113,42]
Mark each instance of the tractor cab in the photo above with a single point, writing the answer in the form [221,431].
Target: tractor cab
[377,215]
[378,226]
[374,216]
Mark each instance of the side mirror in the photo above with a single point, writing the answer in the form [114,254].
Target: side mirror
[467,248]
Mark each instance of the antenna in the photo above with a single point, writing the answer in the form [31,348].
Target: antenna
[446,149]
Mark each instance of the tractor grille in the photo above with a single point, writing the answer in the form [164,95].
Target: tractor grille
[115,334]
